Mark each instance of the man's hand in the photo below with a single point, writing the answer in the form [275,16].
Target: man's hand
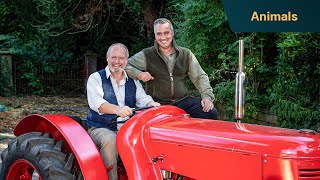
[207,105]
[154,104]
[145,76]
[123,111]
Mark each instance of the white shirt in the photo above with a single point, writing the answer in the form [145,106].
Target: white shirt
[95,91]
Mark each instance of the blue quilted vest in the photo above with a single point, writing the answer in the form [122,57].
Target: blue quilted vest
[105,120]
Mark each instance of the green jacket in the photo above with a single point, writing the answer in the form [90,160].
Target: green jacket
[184,65]
[167,87]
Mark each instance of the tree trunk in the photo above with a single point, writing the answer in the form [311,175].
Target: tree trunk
[151,11]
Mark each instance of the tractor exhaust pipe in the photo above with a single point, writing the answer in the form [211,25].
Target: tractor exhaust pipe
[240,88]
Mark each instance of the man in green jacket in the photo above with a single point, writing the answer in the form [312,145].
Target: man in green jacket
[165,68]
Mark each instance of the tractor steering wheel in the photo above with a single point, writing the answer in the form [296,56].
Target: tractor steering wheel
[134,110]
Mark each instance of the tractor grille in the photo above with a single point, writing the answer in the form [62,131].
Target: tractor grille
[309,174]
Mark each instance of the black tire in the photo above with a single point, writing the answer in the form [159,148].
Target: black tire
[43,153]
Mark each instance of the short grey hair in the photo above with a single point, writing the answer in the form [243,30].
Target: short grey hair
[118,44]
[162,21]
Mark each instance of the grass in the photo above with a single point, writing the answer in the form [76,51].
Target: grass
[2,137]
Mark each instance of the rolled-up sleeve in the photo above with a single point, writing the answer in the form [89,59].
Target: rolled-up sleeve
[136,65]
[200,79]
[141,96]
[95,92]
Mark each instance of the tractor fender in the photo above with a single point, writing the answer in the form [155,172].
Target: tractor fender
[75,137]
[133,142]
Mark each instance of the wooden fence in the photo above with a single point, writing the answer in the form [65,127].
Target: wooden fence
[65,78]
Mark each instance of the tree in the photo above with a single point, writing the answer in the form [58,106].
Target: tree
[296,89]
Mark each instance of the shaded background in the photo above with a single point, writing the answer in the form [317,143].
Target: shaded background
[283,69]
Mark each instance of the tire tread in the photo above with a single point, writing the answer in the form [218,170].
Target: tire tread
[43,153]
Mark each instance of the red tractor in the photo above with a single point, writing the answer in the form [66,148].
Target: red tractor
[164,143]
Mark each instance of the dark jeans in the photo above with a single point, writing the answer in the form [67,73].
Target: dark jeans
[192,105]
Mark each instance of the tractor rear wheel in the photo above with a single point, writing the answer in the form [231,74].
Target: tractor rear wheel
[36,156]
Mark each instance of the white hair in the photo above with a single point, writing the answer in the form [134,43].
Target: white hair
[118,44]
[162,21]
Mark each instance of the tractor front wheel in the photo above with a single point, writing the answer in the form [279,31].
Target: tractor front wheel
[36,156]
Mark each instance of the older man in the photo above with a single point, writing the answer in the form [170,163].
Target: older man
[112,93]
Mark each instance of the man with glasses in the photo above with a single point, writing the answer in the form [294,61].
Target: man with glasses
[165,68]
[112,93]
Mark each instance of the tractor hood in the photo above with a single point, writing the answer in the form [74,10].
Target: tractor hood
[240,137]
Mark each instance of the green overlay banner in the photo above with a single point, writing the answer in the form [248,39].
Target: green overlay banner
[273,15]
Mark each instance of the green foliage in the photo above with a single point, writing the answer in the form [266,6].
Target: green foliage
[4,81]
[31,54]
[6,88]
[39,32]
[255,71]
[224,92]
[295,93]
[282,69]
[201,26]
[135,6]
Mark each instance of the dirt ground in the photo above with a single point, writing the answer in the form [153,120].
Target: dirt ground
[18,107]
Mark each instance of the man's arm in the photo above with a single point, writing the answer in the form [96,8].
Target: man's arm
[96,101]
[200,79]
[108,108]
[136,65]
[142,98]
[95,92]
